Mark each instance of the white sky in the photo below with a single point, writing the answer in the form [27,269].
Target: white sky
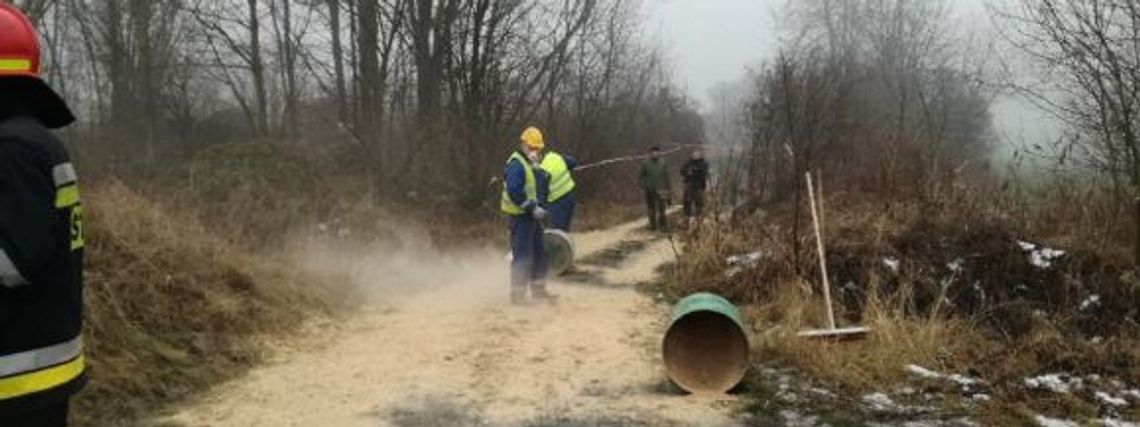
[712,42]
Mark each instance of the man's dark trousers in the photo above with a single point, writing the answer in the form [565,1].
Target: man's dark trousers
[656,206]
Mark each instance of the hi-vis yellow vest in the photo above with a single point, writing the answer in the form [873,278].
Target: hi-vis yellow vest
[561,183]
[507,205]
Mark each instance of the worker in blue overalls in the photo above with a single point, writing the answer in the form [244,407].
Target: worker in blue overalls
[525,191]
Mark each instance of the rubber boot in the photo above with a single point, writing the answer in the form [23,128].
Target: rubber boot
[538,292]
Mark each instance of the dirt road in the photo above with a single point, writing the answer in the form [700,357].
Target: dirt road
[453,353]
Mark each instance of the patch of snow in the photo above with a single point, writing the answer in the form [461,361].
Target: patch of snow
[738,263]
[788,397]
[823,392]
[891,263]
[1113,422]
[961,380]
[1092,301]
[795,419]
[1039,313]
[1110,400]
[1096,340]
[980,397]
[1044,421]
[1040,257]
[1051,382]
[1133,394]
[962,422]
[922,372]
[955,265]
[1021,287]
[879,401]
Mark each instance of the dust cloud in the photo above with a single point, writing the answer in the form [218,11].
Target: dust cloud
[402,263]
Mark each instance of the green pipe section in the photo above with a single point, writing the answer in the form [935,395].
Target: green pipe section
[705,348]
[705,301]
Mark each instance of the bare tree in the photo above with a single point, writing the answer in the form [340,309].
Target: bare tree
[1089,48]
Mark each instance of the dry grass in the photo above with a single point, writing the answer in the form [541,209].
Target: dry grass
[865,364]
[994,315]
[172,309]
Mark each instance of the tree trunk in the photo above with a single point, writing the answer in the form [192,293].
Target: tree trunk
[367,48]
[257,69]
[292,124]
[338,61]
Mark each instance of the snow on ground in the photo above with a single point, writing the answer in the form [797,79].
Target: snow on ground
[1041,257]
[1110,400]
[1133,394]
[922,372]
[1044,421]
[891,263]
[1112,422]
[1057,383]
[961,380]
[1092,301]
[738,263]
[880,402]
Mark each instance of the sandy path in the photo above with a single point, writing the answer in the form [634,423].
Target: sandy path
[456,354]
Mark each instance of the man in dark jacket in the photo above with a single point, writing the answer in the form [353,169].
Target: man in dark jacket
[41,241]
[695,174]
[654,179]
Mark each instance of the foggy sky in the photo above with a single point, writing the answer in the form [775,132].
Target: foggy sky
[714,42]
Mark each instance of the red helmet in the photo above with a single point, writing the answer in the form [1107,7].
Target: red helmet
[20,70]
[19,48]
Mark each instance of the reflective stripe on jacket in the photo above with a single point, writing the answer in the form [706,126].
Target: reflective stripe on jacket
[530,188]
[41,259]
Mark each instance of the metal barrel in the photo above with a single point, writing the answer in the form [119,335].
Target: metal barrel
[560,251]
[705,347]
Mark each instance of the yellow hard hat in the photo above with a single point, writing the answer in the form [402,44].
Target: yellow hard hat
[532,137]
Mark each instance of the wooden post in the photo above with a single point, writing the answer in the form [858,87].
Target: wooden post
[815,217]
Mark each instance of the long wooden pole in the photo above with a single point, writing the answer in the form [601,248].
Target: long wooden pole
[822,255]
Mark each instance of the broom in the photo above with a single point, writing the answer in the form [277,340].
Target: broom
[832,331]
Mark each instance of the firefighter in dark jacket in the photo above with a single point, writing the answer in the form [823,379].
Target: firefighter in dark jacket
[41,240]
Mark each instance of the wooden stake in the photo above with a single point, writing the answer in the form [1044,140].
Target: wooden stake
[815,217]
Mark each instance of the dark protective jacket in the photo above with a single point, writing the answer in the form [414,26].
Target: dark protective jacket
[41,261]
[695,173]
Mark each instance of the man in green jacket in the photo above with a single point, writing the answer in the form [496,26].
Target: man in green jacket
[654,179]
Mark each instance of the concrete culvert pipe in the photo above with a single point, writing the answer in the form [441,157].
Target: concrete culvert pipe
[705,347]
[559,251]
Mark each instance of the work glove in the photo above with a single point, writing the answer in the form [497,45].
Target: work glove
[538,213]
